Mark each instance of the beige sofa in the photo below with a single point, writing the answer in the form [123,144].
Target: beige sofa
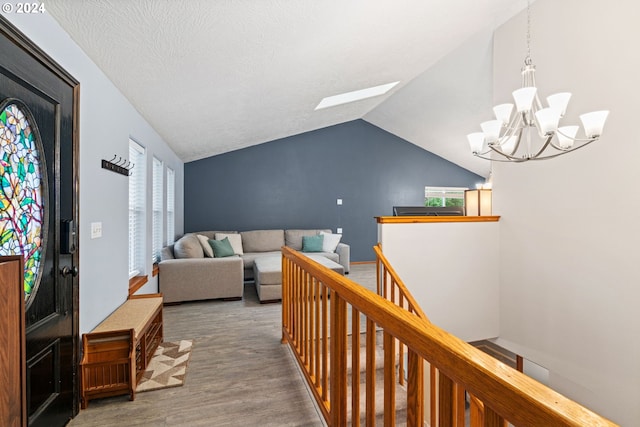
[188,274]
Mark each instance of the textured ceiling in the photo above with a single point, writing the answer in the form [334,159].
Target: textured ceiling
[215,76]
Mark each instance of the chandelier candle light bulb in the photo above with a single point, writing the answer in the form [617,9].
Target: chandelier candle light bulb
[500,139]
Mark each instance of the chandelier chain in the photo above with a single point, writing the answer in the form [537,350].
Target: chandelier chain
[528,59]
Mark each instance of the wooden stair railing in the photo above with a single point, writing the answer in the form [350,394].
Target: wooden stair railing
[315,319]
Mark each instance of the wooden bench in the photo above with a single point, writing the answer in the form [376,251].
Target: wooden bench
[117,352]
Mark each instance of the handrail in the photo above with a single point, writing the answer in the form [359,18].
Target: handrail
[384,270]
[314,314]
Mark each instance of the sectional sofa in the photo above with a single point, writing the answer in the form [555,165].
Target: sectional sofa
[190,271]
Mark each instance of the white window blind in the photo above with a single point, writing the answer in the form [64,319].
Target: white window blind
[158,207]
[137,196]
[171,183]
[444,196]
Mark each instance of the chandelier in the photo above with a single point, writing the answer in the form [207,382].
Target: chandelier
[533,131]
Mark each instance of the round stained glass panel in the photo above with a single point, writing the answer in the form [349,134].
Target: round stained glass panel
[22,191]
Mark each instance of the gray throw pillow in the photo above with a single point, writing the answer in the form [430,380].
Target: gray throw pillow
[188,246]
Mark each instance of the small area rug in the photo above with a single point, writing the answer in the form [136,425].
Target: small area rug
[168,366]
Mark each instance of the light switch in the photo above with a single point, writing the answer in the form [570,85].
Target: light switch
[339,230]
[339,201]
[96,230]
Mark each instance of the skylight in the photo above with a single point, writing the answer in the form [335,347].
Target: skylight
[356,95]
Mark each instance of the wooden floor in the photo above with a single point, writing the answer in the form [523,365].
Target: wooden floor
[239,373]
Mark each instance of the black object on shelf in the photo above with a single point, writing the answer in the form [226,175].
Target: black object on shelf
[428,211]
[121,166]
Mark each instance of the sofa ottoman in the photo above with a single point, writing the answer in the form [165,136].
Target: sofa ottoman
[267,272]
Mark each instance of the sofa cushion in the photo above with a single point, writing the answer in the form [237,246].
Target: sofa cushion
[312,243]
[249,258]
[262,240]
[234,239]
[293,238]
[206,247]
[330,241]
[267,270]
[221,248]
[329,255]
[166,253]
[188,246]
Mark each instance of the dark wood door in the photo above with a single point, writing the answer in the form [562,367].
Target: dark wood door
[12,350]
[35,88]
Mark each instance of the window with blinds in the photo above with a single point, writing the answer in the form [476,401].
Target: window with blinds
[444,196]
[137,196]
[158,207]
[171,183]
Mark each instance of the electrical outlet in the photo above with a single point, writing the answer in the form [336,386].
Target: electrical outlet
[339,230]
[96,230]
[339,201]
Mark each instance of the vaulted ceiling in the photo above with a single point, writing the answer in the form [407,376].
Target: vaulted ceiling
[212,76]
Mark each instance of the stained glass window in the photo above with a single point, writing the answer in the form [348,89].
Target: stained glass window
[22,191]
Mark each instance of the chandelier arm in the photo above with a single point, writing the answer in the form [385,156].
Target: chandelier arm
[584,142]
[576,139]
[507,156]
[512,159]
[557,147]
[518,141]
[512,134]
[498,160]
[544,147]
[514,125]
[537,104]
[564,151]
[513,130]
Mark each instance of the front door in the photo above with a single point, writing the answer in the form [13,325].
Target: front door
[38,218]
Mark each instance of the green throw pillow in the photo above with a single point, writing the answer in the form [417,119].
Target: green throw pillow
[312,243]
[221,248]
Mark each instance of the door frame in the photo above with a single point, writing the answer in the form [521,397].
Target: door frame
[15,36]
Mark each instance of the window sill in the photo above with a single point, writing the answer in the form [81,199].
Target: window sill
[156,270]
[136,283]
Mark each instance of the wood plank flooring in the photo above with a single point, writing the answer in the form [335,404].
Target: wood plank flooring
[239,373]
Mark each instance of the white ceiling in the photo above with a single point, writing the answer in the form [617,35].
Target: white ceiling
[213,76]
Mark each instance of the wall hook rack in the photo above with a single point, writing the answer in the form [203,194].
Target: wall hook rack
[121,166]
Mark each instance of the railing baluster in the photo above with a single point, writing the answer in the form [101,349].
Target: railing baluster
[316,286]
[459,404]
[476,412]
[325,345]
[433,394]
[304,314]
[389,379]
[378,281]
[492,418]
[285,299]
[355,367]
[312,340]
[415,390]
[296,307]
[401,370]
[338,360]
[445,401]
[371,374]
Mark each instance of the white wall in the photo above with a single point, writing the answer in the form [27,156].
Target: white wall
[570,286]
[462,296]
[438,108]
[107,120]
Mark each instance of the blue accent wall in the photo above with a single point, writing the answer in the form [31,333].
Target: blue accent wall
[295,182]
